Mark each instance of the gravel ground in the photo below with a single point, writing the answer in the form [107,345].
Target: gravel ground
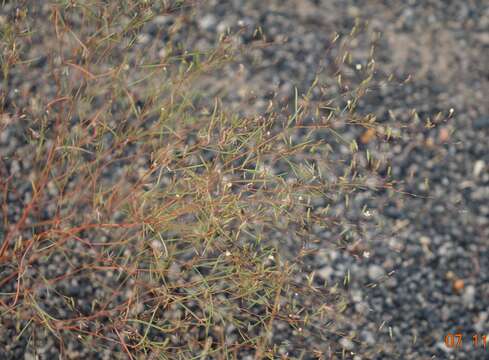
[428,277]
[426,271]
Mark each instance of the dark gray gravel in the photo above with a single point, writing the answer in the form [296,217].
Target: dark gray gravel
[405,287]
[404,295]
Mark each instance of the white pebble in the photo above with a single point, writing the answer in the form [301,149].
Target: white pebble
[478,167]
[207,22]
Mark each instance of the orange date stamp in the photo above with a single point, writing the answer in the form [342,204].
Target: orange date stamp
[457,340]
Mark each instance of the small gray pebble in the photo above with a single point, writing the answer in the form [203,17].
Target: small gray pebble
[375,272]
